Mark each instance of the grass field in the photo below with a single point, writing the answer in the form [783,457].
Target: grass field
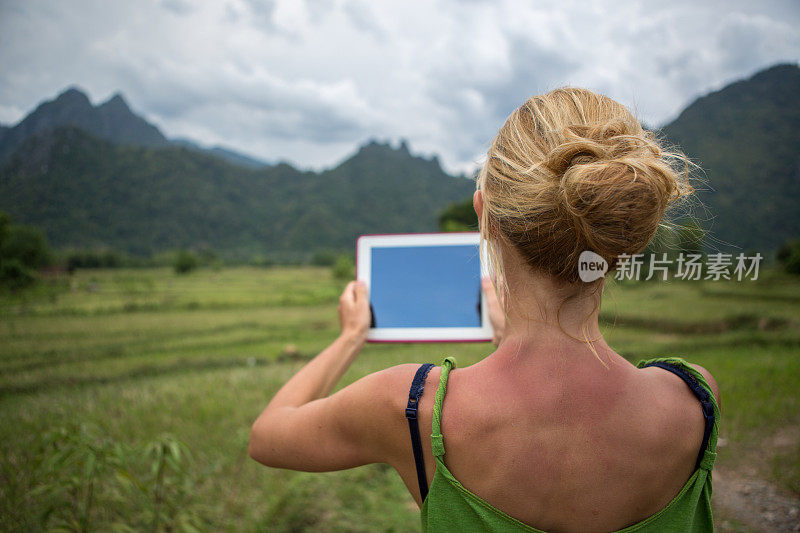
[126,396]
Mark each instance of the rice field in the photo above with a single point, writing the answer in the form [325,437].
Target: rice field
[126,396]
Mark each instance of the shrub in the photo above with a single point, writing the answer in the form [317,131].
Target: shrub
[788,256]
[26,244]
[14,275]
[343,268]
[460,216]
[185,262]
[324,258]
[76,259]
[23,249]
[83,472]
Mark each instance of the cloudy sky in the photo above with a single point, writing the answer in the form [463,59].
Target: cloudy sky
[308,81]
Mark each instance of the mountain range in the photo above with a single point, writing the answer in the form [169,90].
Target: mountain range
[112,121]
[103,177]
[88,184]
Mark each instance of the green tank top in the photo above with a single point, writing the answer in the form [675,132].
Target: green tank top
[449,506]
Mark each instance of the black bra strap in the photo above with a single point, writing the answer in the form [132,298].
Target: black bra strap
[413,425]
[702,395]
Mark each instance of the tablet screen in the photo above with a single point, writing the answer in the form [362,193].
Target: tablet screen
[424,287]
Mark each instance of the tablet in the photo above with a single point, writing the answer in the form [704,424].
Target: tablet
[424,287]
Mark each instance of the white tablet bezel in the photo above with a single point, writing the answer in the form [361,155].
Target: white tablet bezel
[364,245]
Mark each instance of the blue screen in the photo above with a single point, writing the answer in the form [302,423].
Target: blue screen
[426,286]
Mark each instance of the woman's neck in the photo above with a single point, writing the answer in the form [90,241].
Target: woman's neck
[535,305]
[544,313]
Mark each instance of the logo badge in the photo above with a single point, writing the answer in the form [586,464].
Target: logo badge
[591,266]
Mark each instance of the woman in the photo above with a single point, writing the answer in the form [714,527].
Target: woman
[554,430]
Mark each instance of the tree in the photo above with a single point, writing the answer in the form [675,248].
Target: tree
[14,275]
[342,269]
[5,228]
[28,245]
[185,262]
[788,256]
[23,249]
[460,216]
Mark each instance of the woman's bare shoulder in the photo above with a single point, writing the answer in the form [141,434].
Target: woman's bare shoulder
[391,387]
[710,379]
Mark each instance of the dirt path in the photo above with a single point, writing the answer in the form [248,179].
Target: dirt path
[754,503]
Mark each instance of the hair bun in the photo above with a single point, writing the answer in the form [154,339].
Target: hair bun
[614,187]
[572,171]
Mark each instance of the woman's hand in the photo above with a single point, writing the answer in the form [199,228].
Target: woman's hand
[354,313]
[497,317]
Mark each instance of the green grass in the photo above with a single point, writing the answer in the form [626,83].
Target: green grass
[121,364]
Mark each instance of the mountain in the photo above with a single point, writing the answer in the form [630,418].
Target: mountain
[236,158]
[87,192]
[229,155]
[746,137]
[377,190]
[112,120]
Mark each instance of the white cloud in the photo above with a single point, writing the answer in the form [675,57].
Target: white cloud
[307,80]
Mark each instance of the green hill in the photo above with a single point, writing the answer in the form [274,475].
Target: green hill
[86,192]
[746,137]
[113,120]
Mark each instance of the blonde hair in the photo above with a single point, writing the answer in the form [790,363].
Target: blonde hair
[572,170]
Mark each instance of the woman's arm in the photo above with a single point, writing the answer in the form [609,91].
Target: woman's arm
[302,428]
[318,378]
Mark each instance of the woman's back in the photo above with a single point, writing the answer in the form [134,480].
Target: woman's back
[552,440]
